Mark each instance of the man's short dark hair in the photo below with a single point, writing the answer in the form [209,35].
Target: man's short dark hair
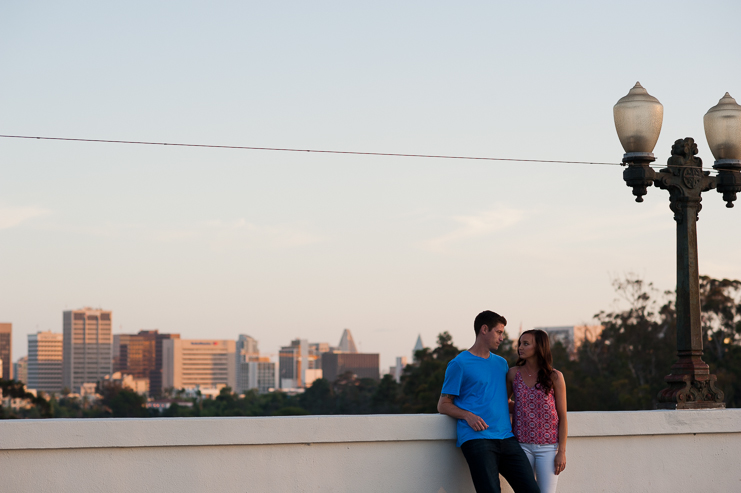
[488,318]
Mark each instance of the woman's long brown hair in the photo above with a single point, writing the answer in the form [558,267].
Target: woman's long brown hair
[545,359]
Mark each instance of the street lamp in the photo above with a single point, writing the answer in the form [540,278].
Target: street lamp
[638,118]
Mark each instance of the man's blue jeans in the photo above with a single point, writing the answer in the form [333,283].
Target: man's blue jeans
[487,458]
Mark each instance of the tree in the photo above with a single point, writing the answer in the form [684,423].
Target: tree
[721,314]
[353,394]
[624,368]
[121,402]
[721,327]
[422,381]
[319,398]
[386,398]
[40,407]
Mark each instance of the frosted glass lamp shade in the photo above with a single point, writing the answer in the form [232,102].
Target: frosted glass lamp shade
[723,129]
[638,119]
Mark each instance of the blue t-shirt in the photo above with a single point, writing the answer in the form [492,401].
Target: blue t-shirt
[480,386]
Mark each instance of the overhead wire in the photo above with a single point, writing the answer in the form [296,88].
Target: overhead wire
[322,151]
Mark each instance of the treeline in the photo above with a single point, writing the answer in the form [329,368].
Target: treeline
[621,369]
[624,368]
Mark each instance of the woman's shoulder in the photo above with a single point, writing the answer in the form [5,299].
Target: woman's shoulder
[556,376]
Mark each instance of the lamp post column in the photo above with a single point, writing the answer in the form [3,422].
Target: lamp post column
[691,386]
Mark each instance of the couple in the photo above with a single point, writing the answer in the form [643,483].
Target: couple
[476,392]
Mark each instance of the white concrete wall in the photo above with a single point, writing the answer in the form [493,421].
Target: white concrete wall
[656,451]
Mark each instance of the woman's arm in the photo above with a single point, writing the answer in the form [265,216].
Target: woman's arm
[510,390]
[559,389]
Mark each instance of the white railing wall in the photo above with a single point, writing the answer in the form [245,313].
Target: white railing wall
[652,451]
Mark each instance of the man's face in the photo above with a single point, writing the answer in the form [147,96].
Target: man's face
[494,337]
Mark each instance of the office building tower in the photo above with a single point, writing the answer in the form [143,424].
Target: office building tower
[87,347]
[45,361]
[20,370]
[572,336]
[347,343]
[300,363]
[247,345]
[362,365]
[6,350]
[398,370]
[291,361]
[188,364]
[134,354]
[255,373]
[156,375]
[316,349]
[140,355]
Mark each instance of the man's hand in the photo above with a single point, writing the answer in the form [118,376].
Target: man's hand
[560,462]
[476,422]
[445,406]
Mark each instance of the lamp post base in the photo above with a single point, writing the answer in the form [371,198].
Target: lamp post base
[691,392]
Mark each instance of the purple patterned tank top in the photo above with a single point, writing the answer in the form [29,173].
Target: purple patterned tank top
[535,419]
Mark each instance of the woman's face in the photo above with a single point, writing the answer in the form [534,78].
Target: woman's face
[526,347]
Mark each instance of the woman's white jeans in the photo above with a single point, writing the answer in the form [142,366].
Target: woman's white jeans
[542,459]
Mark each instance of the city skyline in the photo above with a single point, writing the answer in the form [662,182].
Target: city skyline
[85,355]
[346,344]
[216,242]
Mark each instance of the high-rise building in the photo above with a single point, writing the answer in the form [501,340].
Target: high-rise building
[156,375]
[572,336]
[247,345]
[198,363]
[87,341]
[253,371]
[398,370]
[347,343]
[45,361]
[362,365]
[300,363]
[6,350]
[256,373]
[140,355]
[291,360]
[20,369]
[134,354]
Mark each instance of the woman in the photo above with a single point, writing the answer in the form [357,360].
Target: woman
[539,422]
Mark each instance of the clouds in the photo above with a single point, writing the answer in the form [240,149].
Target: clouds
[228,235]
[11,217]
[475,226]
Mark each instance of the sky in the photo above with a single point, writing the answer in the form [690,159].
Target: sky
[212,243]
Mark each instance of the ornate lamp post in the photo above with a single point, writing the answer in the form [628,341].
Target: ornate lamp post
[638,118]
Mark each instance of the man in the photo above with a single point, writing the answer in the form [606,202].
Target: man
[475,393]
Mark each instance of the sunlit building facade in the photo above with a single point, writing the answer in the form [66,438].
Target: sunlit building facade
[45,355]
[189,364]
[20,369]
[140,355]
[86,346]
[6,351]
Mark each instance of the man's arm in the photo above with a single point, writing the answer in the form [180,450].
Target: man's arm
[445,406]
